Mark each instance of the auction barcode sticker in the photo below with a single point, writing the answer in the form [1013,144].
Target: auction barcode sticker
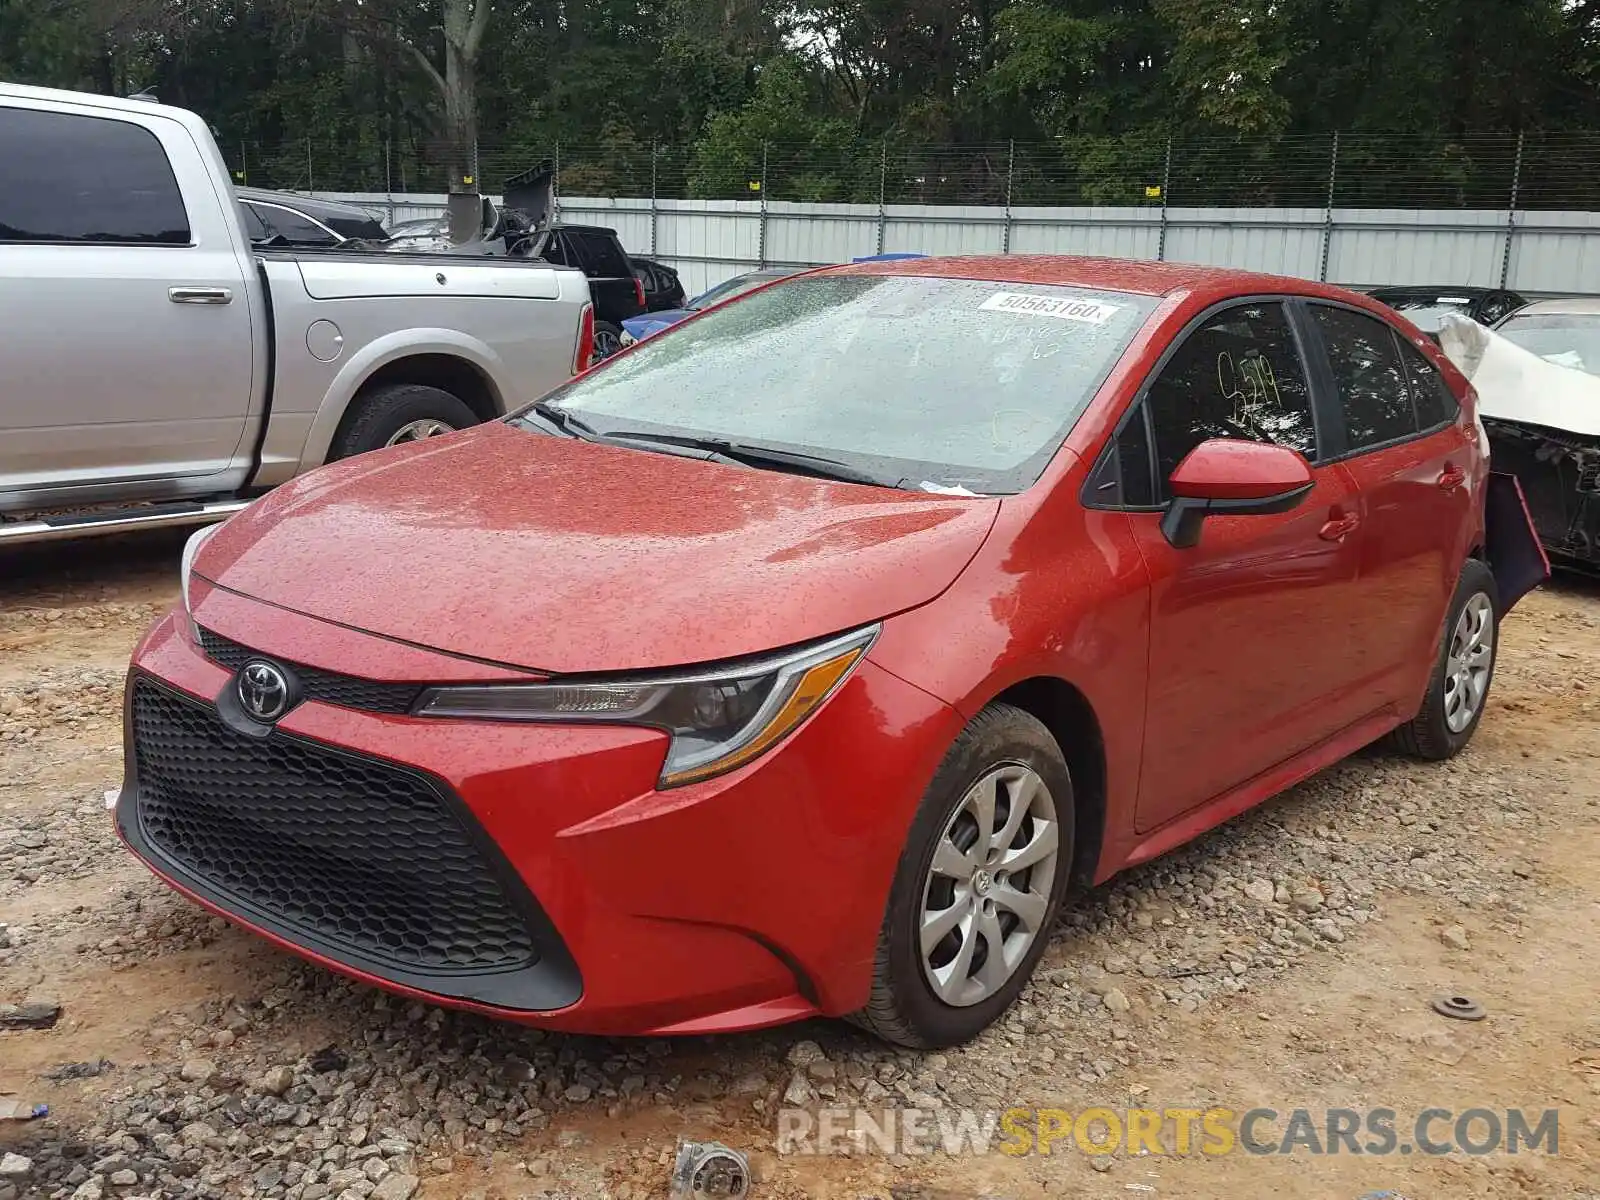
[1064,308]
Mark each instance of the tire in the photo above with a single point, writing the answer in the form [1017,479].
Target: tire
[905,1008]
[1437,731]
[607,340]
[382,415]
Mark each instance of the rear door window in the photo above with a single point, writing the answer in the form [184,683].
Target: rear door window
[601,256]
[70,178]
[1373,394]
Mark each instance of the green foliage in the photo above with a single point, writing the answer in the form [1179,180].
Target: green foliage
[1039,101]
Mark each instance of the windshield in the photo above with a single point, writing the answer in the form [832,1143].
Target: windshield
[951,383]
[737,286]
[1566,339]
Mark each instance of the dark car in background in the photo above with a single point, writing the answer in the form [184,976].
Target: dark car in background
[663,289]
[1425,307]
[290,220]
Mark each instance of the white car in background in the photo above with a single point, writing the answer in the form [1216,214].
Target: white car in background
[1537,375]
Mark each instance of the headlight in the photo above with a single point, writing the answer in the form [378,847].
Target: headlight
[718,720]
[186,568]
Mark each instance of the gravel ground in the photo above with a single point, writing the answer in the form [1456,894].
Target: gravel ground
[193,1061]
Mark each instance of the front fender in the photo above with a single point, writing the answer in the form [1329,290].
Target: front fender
[381,352]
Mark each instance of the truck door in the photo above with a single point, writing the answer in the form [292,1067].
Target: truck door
[127,349]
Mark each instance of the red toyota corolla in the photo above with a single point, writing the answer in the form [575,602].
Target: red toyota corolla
[797,660]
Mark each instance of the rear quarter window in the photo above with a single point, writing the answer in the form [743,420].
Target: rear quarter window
[1435,403]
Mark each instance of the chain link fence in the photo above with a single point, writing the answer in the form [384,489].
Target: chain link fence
[1532,171]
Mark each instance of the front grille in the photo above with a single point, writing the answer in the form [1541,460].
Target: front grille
[364,856]
[347,691]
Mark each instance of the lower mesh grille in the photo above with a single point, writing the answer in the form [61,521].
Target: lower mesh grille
[356,853]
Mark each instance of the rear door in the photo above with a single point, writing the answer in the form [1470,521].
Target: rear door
[1413,458]
[127,349]
[1250,630]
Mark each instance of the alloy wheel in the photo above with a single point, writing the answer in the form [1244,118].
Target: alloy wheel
[988,887]
[416,431]
[1468,663]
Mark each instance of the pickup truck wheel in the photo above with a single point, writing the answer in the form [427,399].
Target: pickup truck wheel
[1458,690]
[399,412]
[978,886]
[607,340]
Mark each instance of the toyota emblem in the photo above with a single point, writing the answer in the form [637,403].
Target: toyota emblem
[263,691]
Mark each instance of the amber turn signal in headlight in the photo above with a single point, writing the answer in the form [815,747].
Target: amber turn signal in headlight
[718,719]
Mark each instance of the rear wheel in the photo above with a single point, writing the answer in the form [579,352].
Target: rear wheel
[978,886]
[607,340]
[1458,691]
[394,413]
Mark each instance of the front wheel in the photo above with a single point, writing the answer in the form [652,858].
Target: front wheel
[978,886]
[395,413]
[1458,690]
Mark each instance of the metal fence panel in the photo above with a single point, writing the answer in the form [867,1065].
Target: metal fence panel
[1109,232]
[1399,246]
[1536,252]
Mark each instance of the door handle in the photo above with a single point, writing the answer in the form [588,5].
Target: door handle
[1336,529]
[1452,478]
[200,295]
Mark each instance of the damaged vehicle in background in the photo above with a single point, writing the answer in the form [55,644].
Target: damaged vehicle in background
[523,226]
[1537,375]
[286,219]
[1426,307]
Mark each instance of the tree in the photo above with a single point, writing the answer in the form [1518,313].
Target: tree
[443,39]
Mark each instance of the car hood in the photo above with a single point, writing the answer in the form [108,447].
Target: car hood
[645,324]
[567,556]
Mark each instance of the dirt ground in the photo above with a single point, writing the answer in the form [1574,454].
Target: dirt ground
[1493,893]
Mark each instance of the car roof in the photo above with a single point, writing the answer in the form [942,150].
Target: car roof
[1444,289]
[1115,274]
[306,204]
[586,228]
[1567,306]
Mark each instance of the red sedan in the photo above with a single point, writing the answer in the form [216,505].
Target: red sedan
[798,660]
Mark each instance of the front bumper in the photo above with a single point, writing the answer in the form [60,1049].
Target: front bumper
[1560,477]
[743,901]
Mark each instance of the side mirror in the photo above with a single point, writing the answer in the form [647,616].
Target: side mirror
[1224,477]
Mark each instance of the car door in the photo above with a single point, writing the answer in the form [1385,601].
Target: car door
[612,283]
[1249,629]
[1412,458]
[127,350]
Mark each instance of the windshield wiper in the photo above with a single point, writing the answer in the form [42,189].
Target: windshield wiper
[759,456]
[568,423]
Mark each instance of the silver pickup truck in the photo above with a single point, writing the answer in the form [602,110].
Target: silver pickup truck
[155,369]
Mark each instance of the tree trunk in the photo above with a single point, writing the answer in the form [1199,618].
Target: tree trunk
[464,22]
